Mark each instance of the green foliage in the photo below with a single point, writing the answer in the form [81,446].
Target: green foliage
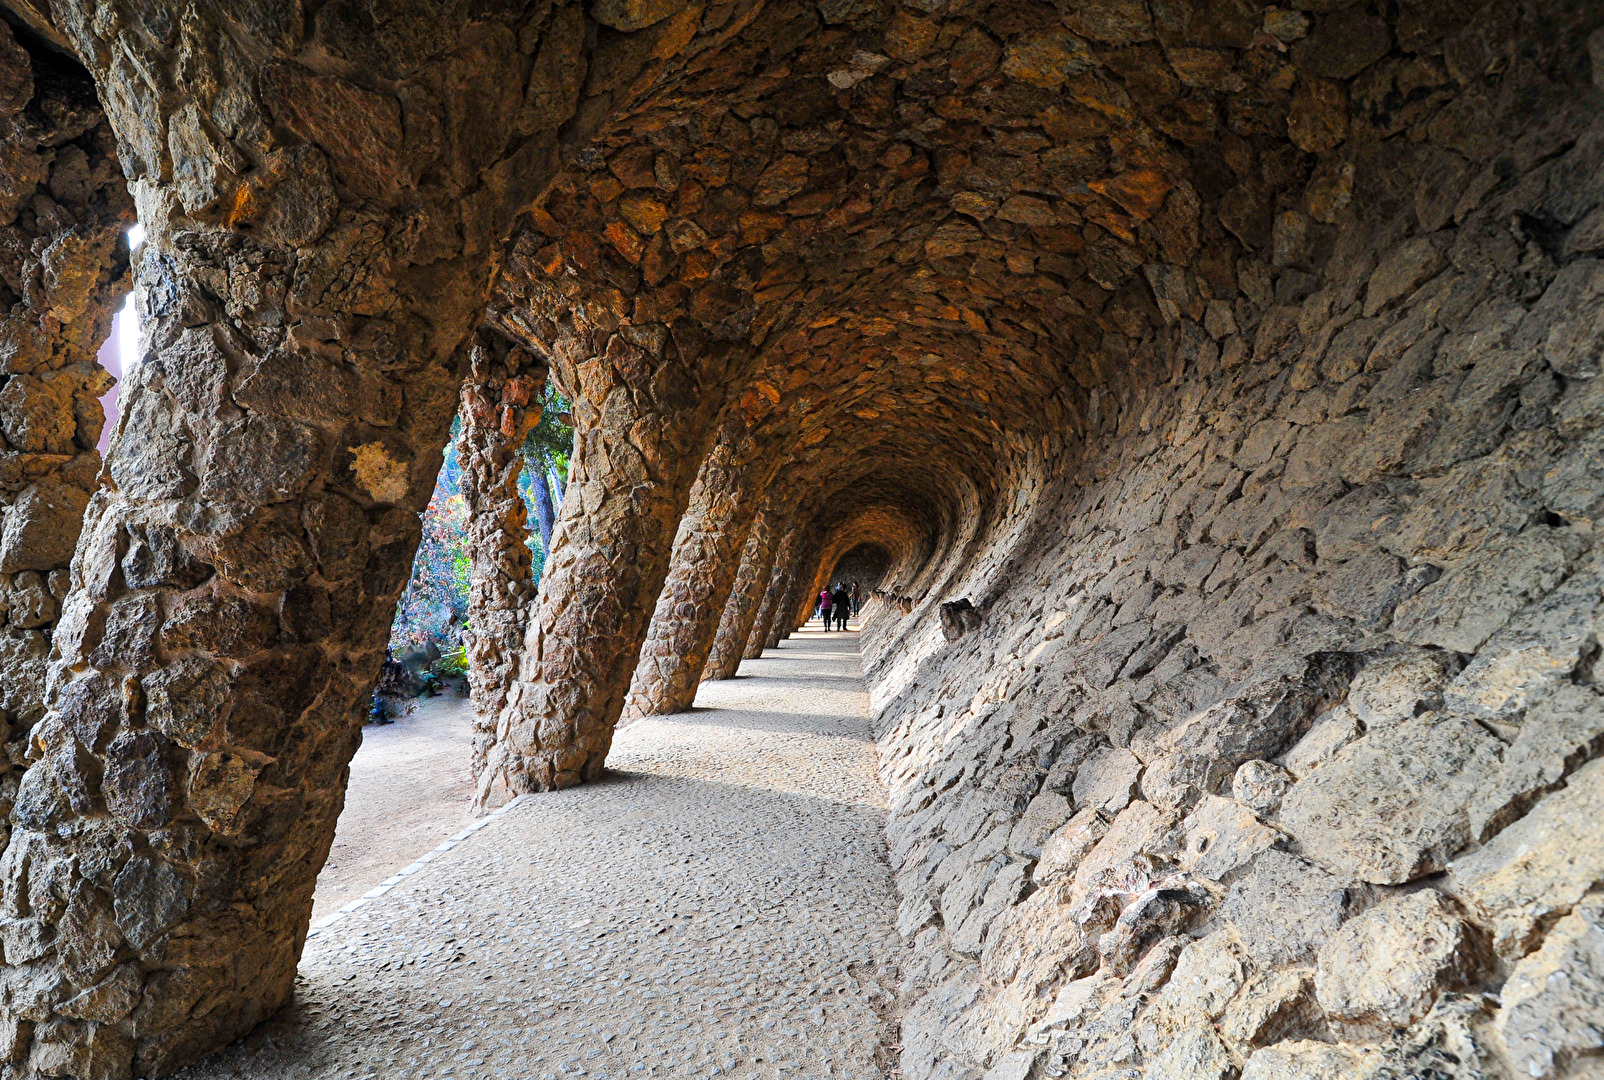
[452,664]
[545,450]
[549,442]
[435,602]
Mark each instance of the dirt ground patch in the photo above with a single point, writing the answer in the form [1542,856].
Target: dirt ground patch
[410,789]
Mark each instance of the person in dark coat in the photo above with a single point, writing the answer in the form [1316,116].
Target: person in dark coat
[841,605]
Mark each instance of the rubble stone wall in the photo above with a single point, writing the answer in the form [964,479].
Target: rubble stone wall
[63,274]
[865,564]
[1268,746]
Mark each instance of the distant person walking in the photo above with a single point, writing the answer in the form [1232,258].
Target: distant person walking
[842,606]
[826,598]
[857,598]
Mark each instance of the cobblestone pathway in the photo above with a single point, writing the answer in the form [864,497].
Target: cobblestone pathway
[718,907]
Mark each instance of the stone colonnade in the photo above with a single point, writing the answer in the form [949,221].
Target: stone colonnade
[737,624]
[1220,381]
[707,554]
[251,533]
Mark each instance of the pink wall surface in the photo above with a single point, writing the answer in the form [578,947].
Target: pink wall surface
[111,359]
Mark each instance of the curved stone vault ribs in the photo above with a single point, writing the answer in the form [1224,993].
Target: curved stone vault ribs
[1218,383]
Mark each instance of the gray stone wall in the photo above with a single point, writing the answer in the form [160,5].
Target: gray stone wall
[1271,752]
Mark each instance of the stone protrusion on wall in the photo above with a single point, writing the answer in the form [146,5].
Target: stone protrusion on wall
[63,275]
[958,617]
[501,403]
[746,595]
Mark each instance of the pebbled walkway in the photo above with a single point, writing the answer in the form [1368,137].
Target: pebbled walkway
[719,906]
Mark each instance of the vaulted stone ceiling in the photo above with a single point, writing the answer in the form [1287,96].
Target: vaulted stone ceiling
[950,231]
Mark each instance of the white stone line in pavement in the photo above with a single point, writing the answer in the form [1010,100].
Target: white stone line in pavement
[407,871]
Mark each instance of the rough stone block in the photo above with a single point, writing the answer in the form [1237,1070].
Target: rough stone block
[1207,974]
[1194,1054]
[108,1001]
[1201,755]
[1260,785]
[1040,820]
[87,938]
[1538,650]
[1107,780]
[1286,908]
[1386,967]
[1403,270]
[1221,837]
[29,601]
[40,528]
[1539,867]
[1273,1006]
[1391,807]
[1038,943]
[1335,729]
[1556,736]
[1569,320]
[1553,1000]
[22,657]
[1013,1066]
[1062,852]
[1342,44]
[1001,893]
[1395,688]
[137,788]
[1477,597]
[1309,1060]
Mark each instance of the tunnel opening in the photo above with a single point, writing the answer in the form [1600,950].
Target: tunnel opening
[865,565]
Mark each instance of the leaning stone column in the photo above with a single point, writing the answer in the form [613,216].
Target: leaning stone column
[310,277]
[787,617]
[804,603]
[500,404]
[768,623]
[707,553]
[63,274]
[741,609]
[640,431]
